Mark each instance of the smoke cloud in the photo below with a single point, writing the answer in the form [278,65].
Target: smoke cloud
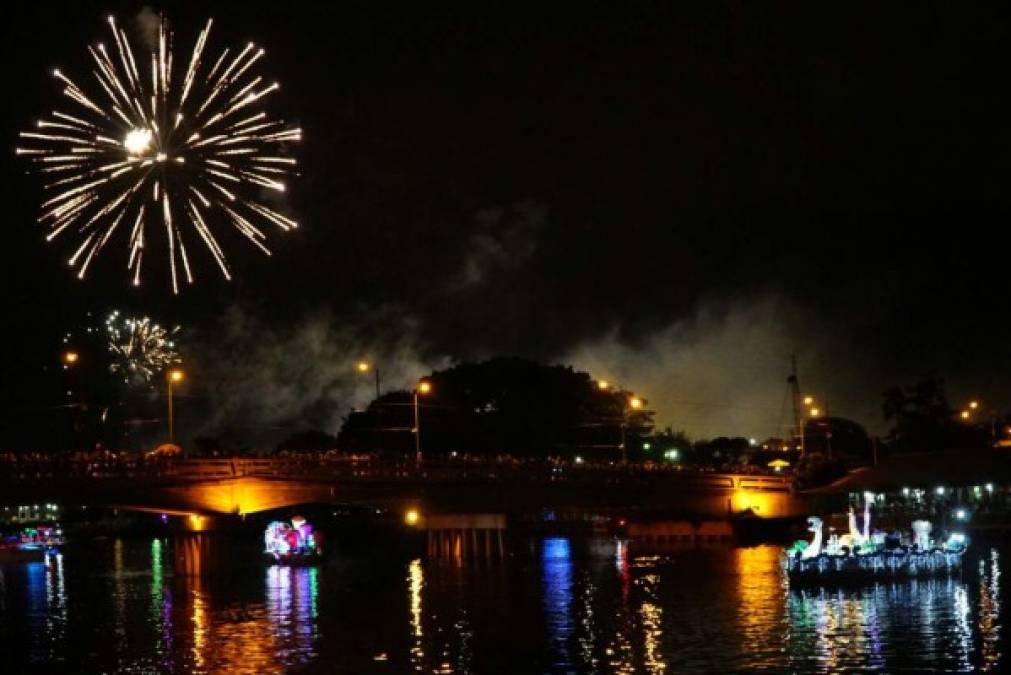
[148,22]
[723,370]
[502,241]
[264,383]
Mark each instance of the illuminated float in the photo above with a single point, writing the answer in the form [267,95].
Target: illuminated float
[862,555]
[294,543]
[32,544]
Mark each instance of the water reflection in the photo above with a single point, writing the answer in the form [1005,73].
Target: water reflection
[292,608]
[556,572]
[761,588]
[651,619]
[415,582]
[56,597]
[989,610]
[568,606]
[161,606]
[847,629]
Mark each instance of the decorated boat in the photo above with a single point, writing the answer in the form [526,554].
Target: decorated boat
[294,543]
[861,555]
[31,544]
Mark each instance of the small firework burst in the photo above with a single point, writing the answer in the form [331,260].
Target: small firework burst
[140,348]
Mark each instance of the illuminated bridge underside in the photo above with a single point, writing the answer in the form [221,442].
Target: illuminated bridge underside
[716,497]
[230,496]
[244,487]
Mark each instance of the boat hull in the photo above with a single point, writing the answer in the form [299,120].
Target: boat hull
[293,560]
[874,566]
[18,554]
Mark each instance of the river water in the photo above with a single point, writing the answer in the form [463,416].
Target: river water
[556,605]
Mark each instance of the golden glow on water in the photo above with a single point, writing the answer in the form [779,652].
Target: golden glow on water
[760,592]
[119,589]
[415,583]
[651,618]
[199,619]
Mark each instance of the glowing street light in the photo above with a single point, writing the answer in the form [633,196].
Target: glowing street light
[411,517]
[70,358]
[173,377]
[424,388]
[603,385]
[964,414]
[814,412]
[973,404]
[633,403]
[364,367]
[808,400]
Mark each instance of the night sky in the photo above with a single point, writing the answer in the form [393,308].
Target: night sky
[673,197]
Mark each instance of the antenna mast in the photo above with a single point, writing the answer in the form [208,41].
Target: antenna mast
[798,419]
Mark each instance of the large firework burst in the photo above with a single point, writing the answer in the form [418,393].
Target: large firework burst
[154,149]
[140,348]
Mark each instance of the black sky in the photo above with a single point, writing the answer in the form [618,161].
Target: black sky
[532,179]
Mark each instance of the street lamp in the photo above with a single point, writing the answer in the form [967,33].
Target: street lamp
[603,385]
[974,407]
[633,403]
[173,377]
[364,367]
[423,389]
[815,412]
[70,358]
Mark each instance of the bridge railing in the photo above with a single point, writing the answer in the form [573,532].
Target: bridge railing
[365,469]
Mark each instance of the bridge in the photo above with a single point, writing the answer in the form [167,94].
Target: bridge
[240,486]
[463,507]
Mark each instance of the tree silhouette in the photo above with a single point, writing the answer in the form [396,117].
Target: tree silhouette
[503,406]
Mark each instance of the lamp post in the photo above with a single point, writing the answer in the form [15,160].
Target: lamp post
[364,367]
[424,387]
[811,412]
[69,359]
[173,377]
[968,414]
[634,403]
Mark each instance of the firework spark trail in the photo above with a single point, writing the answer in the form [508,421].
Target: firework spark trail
[180,137]
[140,348]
